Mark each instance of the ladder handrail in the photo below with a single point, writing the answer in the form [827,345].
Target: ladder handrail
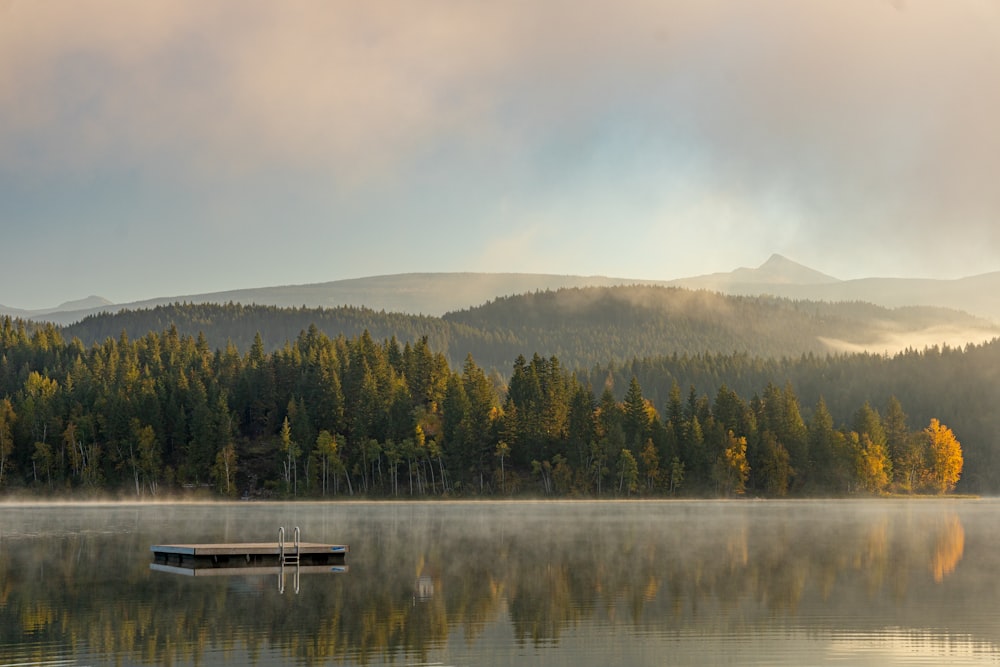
[288,559]
[297,543]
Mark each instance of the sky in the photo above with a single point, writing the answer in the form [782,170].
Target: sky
[168,148]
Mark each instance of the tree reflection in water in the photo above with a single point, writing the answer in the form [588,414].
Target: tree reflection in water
[430,577]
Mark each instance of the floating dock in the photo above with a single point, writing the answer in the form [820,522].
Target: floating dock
[250,554]
[247,554]
[251,558]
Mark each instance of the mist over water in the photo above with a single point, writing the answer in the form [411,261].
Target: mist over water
[491,583]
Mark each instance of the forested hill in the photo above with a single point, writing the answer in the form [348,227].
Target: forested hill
[595,325]
[239,324]
[581,326]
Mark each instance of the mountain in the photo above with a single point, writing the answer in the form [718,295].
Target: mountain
[777,270]
[583,327]
[410,293]
[90,302]
[779,276]
[64,313]
[435,294]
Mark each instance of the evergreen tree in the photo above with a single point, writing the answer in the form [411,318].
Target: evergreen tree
[257,391]
[895,429]
[695,455]
[776,471]
[7,421]
[610,439]
[675,411]
[635,418]
[459,443]
[483,414]
[581,428]
[821,436]
[875,463]
[651,466]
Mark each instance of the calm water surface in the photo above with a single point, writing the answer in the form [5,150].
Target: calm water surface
[630,583]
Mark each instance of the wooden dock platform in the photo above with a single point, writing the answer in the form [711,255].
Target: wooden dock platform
[246,554]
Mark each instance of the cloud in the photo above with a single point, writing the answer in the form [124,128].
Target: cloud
[869,123]
[865,118]
[234,85]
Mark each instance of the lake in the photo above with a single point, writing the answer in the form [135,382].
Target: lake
[883,582]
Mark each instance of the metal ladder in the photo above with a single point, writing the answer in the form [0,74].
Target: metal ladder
[288,558]
[291,557]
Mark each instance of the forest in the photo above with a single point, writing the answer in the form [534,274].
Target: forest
[580,326]
[320,416]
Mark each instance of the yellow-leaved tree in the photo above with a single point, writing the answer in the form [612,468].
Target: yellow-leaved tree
[731,467]
[945,457]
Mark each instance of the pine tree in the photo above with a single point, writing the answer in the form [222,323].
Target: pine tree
[7,419]
[651,465]
[635,418]
[776,467]
[820,445]
[873,447]
[581,428]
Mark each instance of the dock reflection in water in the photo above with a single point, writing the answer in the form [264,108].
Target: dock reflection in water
[251,559]
[280,572]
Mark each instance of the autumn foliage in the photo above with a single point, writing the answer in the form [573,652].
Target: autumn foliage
[945,457]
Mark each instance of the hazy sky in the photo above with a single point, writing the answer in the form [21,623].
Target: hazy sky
[165,147]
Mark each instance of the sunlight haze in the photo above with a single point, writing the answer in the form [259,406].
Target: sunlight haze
[168,148]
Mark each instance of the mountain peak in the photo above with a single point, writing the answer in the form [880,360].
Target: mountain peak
[778,260]
[84,304]
[778,269]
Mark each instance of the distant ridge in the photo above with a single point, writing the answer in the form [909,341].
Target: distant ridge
[582,326]
[438,293]
[410,293]
[779,276]
[90,304]
[84,304]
